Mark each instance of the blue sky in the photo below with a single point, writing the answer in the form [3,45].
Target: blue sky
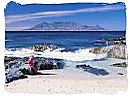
[109,16]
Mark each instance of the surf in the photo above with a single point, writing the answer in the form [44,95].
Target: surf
[78,55]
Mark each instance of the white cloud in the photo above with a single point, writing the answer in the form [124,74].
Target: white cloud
[17,18]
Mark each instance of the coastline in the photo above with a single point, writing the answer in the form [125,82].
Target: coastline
[104,70]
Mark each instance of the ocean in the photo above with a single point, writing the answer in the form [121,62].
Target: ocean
[73,47]
[69,43]
[68,40]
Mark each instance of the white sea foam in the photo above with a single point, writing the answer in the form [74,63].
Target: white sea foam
[79,55]
[8,40]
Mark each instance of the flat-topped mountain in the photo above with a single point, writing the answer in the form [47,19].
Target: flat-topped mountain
[64,26]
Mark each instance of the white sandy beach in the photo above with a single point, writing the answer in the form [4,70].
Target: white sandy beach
[65,82]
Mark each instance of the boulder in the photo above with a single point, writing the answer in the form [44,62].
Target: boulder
[95,50]
[13,74]
[43,47]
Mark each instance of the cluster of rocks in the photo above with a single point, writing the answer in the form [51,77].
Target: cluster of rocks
[16,67]
[110,41]
[100,72]
[43,47]
[113,50]
[116,40]
[117,51]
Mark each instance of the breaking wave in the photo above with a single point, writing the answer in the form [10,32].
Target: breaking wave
[78,55]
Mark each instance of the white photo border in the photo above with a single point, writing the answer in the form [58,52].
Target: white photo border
[3,4]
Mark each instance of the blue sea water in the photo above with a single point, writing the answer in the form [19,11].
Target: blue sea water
[73,48]
[68,40]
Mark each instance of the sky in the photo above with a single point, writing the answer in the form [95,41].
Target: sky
[110,16]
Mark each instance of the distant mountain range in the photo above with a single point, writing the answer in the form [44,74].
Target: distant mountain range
[64,26]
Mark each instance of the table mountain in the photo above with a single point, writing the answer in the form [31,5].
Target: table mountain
[64,26]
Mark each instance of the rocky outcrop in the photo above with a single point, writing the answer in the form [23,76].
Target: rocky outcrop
[121,40]
[113,51]
[16,67]
[43,47]
[13,73]
[116,48]
[96,50]
[117,51]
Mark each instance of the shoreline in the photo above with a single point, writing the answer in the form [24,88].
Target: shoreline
[67,83]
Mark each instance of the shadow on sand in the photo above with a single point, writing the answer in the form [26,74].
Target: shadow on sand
[39,73]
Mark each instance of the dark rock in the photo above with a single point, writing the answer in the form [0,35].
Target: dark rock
[13,74]
[43,47]
[81,66]
[96,50]
[120,73]
[124,65]
[17,68]
[116,40]
[94,71]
